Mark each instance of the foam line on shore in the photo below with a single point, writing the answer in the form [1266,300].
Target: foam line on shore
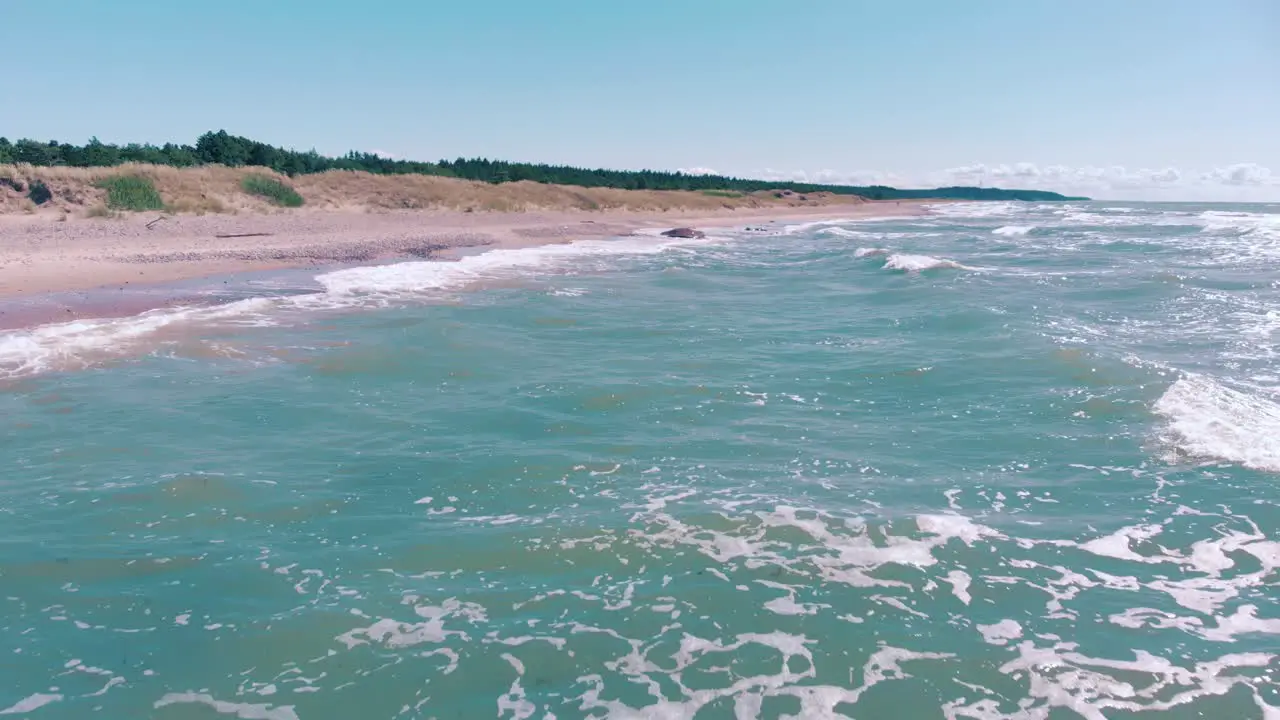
[86,342]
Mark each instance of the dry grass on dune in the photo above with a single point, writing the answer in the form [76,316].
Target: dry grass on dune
[346,189]
[211,189]
[218,189]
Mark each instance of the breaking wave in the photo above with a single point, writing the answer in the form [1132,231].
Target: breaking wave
[1013,230]
[920,263]
[1207,420]
[84,343]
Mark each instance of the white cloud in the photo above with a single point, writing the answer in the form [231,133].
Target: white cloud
[1060,176]
[697,171]
[833,177]
[1242,174]
[1246,181]
[1241,182]
[384,154]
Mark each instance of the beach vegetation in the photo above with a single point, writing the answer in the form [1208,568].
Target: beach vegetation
[197,205]
[39,193]
[131,192]
[271,189]
[34,153]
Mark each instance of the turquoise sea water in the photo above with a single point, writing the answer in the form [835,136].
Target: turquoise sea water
[1007,461]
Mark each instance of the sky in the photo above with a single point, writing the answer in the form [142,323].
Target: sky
[1119,99]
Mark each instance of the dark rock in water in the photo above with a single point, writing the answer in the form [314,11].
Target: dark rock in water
[684,233]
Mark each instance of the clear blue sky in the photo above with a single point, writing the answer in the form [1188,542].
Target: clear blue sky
[1110,91]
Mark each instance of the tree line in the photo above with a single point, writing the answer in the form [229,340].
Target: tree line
[222,148]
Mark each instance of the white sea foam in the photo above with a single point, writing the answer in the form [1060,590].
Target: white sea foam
[920,263]
[748,693]
[31,703]
[245,711]
[1000,633]
[960,581]
[979,209]
[804,227]
[1040,672]
[1074,217]
[82,343]
[409,278]
[1013,230]
[1209,590]
[1209,420]
[1061,676]
[1244,621]
[1253,225]
[396,634]
[907,262]
[788,605]
[845,232]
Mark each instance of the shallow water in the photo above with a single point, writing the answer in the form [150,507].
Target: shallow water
[1010,461]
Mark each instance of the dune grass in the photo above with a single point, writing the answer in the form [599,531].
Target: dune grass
[98,211]
[219,189]
[131,192]
[272,190]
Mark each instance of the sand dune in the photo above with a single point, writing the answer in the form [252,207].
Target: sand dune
[217,189]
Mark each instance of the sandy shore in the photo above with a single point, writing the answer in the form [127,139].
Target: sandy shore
[43,257]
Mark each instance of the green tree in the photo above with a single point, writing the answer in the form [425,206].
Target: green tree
[222,149]
[179,155]
[30,151]
[263,155]
[98,154]
[235,151]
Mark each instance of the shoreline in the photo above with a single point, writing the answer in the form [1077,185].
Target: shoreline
[53,272]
